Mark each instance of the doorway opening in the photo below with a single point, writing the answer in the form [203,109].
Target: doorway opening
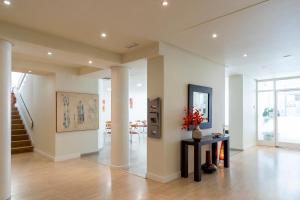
[137,105]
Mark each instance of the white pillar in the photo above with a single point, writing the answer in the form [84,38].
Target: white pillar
[5,119]
[120,117]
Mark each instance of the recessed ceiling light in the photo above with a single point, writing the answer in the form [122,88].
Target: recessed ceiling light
[49,53]
[214,35]
[90,62]
[29,71]
[245,55]
[7,2]
[103,35]
[139,85]
[165,3]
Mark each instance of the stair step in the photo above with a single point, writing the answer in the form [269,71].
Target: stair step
[15,117]
[16,121]
[19,137]
[17,150]
[14,113]
[21,143]
[18,131]
[17,126]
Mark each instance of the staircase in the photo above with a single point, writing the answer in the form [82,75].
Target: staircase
[20,141]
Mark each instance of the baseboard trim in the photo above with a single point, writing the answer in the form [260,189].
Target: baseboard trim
[236,149]
[42,153]
[119,166]
[67,157]
[89,153]
[163,179]
[249,146]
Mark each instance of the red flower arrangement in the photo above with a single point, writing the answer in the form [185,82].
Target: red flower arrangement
[193,117]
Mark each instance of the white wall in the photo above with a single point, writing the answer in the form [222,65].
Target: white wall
[168,78]
[242,112]
[73,144]
[249,112]
[226,101]
[236,111]
[38,93]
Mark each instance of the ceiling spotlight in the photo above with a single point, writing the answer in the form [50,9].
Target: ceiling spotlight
[139,85]
[7,2]
[90,62]
[165,3]
[214,35]
[103,35]
[49,53]
[29,71]
[245,55]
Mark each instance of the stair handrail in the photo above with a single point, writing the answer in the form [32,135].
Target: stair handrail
[21,80]
[19,96]
[27,111]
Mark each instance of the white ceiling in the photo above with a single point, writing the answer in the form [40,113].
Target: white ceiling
[266,33]
[264,29]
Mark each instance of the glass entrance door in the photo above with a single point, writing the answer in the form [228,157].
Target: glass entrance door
[288,118]
[265,118]
[278,112]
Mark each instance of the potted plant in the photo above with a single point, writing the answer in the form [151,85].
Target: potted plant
[268,114]
[192,120]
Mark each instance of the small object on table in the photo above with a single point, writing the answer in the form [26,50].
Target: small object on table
[197,134]
[217,135]
[208,167]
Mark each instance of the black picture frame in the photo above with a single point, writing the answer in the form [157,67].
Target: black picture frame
[201,89]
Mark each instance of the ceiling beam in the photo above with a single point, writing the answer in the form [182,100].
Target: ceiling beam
[17,34]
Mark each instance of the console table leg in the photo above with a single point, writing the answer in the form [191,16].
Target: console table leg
[226,154]
[197,162]
[214,153]
[184,160]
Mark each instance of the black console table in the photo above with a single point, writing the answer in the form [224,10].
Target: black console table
[197,154]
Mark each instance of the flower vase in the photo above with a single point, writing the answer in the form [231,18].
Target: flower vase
[196,134]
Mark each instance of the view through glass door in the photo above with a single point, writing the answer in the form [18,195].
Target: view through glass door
[288,118]
[278,112]
[265,113]
[265,118]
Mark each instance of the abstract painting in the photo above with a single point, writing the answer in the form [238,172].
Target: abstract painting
[76,111]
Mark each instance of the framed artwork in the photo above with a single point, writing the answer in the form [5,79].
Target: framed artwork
[76,112]
[200,97]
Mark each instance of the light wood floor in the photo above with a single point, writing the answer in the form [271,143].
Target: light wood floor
[259,173]
[137,155]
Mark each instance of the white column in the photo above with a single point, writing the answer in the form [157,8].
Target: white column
[120,117]
[5,119]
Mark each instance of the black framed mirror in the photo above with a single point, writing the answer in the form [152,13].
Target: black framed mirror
[200,97]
